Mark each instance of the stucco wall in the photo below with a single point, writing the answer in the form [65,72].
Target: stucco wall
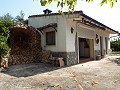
[60,34]
[89,32]
[84,31]
[70,37]
[97,47]
[103,34]
[65,40]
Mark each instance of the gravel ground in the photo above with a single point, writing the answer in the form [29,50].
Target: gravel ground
[94,75]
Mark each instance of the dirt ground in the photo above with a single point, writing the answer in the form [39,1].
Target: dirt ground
[94,75]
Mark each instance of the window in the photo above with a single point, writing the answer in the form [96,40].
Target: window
[50,38]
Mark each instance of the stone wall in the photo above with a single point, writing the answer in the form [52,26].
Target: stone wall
[97,52]
[70,58]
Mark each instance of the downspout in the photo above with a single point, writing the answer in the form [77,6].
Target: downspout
[77,42]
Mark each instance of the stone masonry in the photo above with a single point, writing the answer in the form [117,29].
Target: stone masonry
[70,58]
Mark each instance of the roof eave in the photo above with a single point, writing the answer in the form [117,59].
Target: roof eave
[82,14]
[65,13]
[113,31]
[93,20]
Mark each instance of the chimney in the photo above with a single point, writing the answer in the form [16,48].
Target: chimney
[47,11]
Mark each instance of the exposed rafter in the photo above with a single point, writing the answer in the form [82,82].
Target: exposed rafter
[53,25]
[89,23]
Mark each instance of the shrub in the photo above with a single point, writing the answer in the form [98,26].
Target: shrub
[115,45]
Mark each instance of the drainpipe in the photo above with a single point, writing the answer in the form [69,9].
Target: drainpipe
[77,48]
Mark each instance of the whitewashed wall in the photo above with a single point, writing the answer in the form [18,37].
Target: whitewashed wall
[62,41]
[84,31]
[70,37]
[65,40]
[60,34]
[103,34]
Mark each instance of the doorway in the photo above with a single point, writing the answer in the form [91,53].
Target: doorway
[86,48]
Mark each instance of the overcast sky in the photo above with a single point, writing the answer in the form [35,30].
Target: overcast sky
[105,14]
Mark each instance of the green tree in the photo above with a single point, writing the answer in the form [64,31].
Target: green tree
[7,17]
[70,4]
[5,22]
[20,18]
[115,45]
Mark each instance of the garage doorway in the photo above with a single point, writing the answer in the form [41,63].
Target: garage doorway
[86,49]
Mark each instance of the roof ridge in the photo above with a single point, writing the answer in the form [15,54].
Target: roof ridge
[40,15]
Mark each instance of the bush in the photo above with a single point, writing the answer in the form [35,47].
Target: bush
[115,45]
[4,48]
[4,34]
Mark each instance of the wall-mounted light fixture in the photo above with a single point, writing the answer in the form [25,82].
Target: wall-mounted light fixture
[72,30]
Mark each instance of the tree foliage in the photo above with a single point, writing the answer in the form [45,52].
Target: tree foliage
[5,22]
[6,17]
[115,45]
[4,34]
[70,4]
[20,18]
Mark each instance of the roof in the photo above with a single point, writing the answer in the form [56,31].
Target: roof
[91,19]
[22,28]
[77,12]
[47,26]
[53,25]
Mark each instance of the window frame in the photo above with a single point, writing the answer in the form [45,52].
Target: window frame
[51,36]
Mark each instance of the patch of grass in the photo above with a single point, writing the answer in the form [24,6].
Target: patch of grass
[116,53]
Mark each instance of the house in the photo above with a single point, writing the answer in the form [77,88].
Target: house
[73,36]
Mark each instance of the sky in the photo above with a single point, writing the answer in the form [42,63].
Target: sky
[105,14]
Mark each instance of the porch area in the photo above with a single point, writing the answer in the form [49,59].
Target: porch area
[86,49]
